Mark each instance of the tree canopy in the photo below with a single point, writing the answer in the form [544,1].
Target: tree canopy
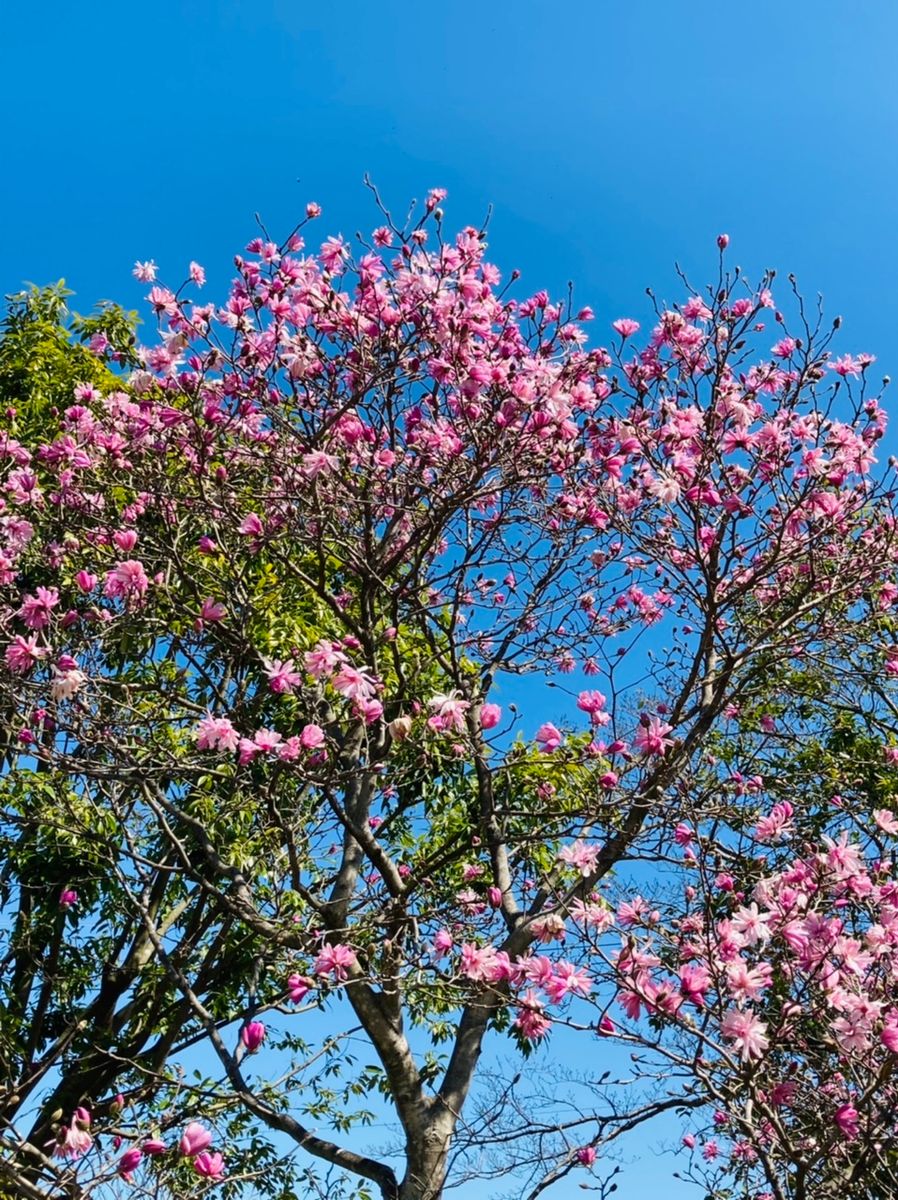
[390,678]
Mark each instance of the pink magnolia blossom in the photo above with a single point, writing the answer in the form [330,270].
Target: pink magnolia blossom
[337,960]
[209,1166]
[549,738]
[299,987]
[128,1162]
[126,581]
[194,1139]
[282,677]
[252,1035]
[490,716]
[747,1032]
[216,733]
[651,736]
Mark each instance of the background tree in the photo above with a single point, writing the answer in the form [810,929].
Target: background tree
[261,602]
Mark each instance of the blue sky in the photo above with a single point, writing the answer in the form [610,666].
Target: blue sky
[611,139]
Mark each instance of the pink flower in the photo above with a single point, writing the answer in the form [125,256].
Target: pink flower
[586,1155]
[354,684]
[126,580]
[336,960]
[144,272]
[251,525]
[21,654]
[490,716]
[282,677]
[549,738]
[212,610]
[86,581]
[216,733]
[311,737]
[197,274]
[475,961]
[651,737]
[194,1139]
[333,253]
[35,610]
[723,240]
[580,855]
[210,1166]
[74,1140]
[889,1033]
[625,326]
[317,462]
[154,1146]
[846,365]
[442,943]
[128,1162]
[847,1118]
[299,987]
[449,711]
[747,1033]
[252,1035]
[323,660]
[531,1019]
[68,898]
[593,703]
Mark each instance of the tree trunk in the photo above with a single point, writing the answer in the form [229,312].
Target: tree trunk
[427,1157]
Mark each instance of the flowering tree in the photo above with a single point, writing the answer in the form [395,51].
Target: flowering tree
[275,787]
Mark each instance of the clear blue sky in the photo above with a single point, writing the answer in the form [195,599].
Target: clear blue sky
[611,138]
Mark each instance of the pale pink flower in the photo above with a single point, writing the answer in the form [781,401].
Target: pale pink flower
[580,855]
[448,711]
[625,326]
[747,1032]
[886,820]
[216,733]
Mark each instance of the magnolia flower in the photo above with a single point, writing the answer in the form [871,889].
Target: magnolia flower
[747,1033]
[210,1166]
[549,738]
[650,738]
[127,1163]
[194,1139]
[448,711]
[336,960]
[252,1035]
[490,715]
